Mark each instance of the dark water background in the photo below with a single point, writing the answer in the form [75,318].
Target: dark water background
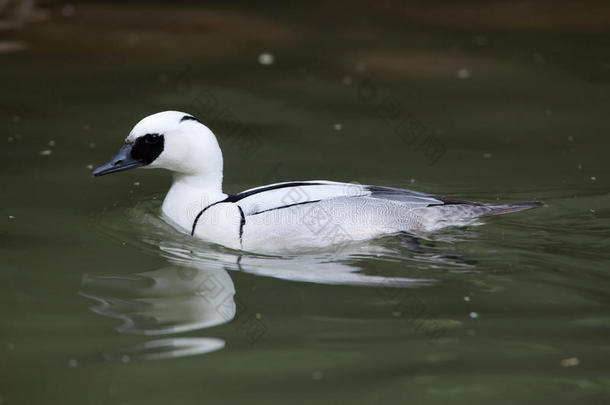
[101,302]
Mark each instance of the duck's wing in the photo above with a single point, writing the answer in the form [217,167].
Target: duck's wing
[283,195]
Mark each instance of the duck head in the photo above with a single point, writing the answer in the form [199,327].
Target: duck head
[170,140]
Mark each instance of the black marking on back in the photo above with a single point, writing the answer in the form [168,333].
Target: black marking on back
[147,148]
[242,222]
[242,195]
[236,197]
[380,191]
[190,118]
[201,212]
[286,206]
[453,201]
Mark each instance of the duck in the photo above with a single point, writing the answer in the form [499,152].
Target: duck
[287,216]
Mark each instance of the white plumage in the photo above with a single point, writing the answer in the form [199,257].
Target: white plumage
[299,215]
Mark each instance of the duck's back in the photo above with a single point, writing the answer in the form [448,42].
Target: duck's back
[320,214]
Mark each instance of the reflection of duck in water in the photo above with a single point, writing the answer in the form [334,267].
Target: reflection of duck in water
[166,301]
[169,300]
[196,292]
[284,216]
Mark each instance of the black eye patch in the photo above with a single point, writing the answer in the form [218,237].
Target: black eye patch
[148,147]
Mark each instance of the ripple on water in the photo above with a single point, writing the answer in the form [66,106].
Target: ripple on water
[194,291]
[169,348]
[360,264]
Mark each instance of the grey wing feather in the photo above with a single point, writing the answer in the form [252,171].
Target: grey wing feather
[403,195]
[458,208]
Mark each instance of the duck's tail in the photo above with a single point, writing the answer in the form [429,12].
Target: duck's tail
[487,210]
[458,212]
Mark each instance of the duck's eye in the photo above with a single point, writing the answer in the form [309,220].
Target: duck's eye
[152,138]
[147,147]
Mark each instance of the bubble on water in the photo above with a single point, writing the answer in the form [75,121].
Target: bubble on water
[463,73]
[51,143]
[16,118]
[579,167]
[46,152]
[474,315]
[317,375]
[487,155]
[11,346]
[570,362]
[258,316]
[467,298]
[125,358]
[570,138]
[337,127]
[593,178]
[537,58]
[11,217]
[73,363]
[86,127]
[266,59]
[136,183]
[113,389]
[67,10]
[92,145]
[360,67]
[412,181]
[10,139]
[396,314]
[347,80]
[480,40]
[548,112]
[90,167]
[133,39]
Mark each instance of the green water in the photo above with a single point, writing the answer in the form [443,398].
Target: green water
[101,302]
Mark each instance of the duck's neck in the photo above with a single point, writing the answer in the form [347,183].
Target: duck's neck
[189,194]
[208,183]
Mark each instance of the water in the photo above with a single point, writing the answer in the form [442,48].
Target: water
[104,303]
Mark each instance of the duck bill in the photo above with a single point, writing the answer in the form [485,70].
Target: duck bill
[122,161]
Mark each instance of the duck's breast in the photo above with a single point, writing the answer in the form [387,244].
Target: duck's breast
[221,223]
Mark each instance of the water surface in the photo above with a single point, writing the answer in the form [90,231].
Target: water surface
[104,303]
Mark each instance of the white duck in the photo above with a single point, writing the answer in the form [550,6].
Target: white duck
[297,215]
